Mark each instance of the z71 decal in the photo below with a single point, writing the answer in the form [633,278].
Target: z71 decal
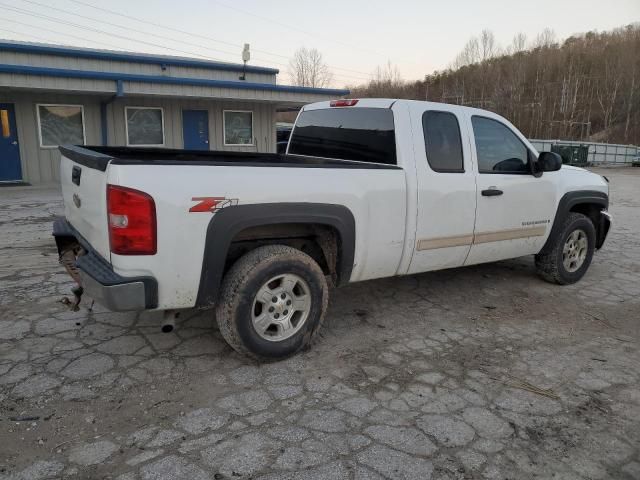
[211,204]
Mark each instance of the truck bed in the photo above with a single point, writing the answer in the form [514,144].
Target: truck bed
[98,157]
[179,180]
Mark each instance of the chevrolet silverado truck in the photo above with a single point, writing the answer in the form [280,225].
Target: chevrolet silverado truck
[368,188]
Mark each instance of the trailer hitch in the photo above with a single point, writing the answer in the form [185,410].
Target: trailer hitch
[69,249]
[68,253]
[74,305]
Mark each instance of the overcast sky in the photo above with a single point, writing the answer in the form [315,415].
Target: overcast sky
[353,35]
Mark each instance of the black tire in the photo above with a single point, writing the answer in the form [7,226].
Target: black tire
[239,288]
[549,262]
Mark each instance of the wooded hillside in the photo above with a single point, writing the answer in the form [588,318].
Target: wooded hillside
[585,88]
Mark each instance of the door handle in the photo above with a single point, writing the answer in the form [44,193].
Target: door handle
[15,142]
[491,192]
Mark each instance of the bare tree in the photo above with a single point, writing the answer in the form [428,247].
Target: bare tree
[477,50]
[308,69]
[387,74]
[585,87]
[607,91]
[632,64]
[488,46]
[546,38]
[470,54]
[386,81]
[518,44]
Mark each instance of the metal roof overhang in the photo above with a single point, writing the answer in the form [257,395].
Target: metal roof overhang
[130,57]
[296,94]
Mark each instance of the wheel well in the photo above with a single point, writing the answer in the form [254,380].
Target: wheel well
[320,242]
[591,210]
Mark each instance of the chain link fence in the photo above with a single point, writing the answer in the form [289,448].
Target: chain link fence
[597,153]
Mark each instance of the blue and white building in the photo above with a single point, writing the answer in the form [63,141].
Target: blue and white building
[52,95]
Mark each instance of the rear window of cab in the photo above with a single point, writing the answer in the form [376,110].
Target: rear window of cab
[361,134]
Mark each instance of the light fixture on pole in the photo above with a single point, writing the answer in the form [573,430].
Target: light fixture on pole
[246,56]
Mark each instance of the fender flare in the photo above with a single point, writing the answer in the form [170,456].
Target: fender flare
[566,203]
[230,221]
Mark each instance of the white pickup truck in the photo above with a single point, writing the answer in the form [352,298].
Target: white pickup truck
[368,188]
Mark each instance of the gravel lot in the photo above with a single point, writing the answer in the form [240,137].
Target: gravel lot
[483,372]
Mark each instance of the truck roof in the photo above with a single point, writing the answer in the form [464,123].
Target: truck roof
[362,103]
[389,102]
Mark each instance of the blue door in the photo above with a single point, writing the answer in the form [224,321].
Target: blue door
[10,170]
[195,129]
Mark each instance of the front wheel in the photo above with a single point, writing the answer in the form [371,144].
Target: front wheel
[272,302]
[570,254]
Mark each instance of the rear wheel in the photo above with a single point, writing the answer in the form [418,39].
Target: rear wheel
[570,254]
[272,302]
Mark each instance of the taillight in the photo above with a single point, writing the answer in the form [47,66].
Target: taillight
[132,221]
[345,102]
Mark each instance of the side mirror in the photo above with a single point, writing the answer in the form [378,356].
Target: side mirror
[549,162]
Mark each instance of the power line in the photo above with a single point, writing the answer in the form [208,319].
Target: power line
[58,20]
[60,33]
[101,21]
[104,32]
[137,31]
[298,29]
[137,19]
[205,37]
[43,39]
[28,35]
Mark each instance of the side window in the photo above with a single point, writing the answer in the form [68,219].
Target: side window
[442,141]
[499,149]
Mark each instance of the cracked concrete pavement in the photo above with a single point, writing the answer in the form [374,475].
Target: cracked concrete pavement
[482,372]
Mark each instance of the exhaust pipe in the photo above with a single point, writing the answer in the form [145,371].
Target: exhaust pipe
[169,321]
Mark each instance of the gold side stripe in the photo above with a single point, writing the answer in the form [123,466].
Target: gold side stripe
[484,237]
[433,243]
[512,234]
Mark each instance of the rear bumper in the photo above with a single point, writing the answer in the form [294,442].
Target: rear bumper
[108,288]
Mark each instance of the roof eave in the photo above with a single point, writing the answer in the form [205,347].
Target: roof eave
[161,79]
[110,55]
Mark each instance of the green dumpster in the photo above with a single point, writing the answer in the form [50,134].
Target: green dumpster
[572,154]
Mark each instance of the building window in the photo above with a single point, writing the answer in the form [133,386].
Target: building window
[4,120]
[238,127]
[61,125]
[145,126]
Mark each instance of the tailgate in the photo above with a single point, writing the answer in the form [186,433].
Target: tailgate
[84,191]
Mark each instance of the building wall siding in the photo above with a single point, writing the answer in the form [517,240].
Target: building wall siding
[22,81]
[75,63]
[263,121]
[42,165]
[108,87]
